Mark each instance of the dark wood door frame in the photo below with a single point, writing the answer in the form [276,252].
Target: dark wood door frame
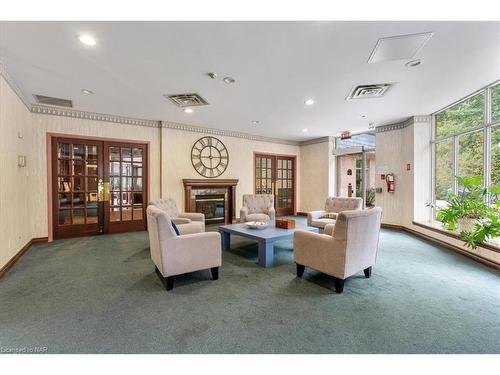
[273,155]
[49,160]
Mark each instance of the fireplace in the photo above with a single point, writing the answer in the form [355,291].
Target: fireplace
[212,197]
[212,206]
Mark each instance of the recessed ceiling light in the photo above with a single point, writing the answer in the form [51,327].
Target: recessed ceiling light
[414,63]
[87,92]
[212,75]
[188,110]
[305,130]
[229,80]
[255,122]
[309,102]
[87,39]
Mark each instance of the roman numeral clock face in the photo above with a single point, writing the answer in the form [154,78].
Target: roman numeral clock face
[209,157]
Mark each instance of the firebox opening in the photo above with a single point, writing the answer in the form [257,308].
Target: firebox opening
[212,206]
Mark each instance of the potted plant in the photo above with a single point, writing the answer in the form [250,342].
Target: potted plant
[471,213]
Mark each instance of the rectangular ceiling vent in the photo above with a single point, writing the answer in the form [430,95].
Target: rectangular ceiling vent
[399,47]
[369,91]
[54,101]
[187,100]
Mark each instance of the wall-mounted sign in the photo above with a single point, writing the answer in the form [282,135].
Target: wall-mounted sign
[349,172]
[345,135]
[382,176]
[408,166]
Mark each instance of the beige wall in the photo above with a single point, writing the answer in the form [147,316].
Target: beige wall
[176,148]
[16,190]
[316,175]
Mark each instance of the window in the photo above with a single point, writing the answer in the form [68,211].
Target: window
[459,142]
[495,103]
[462,116]
[495,156]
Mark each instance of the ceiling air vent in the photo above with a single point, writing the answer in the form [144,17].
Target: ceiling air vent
[369,91]
[54,101]
[187,100]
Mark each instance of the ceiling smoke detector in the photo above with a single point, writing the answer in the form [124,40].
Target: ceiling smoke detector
[49,100]
[187,100]
[369,91]
[229,80]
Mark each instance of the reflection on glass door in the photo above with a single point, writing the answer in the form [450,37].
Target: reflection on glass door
[98,187]
[276,175]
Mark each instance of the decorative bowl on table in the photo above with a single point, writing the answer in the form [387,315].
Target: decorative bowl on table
[257,224]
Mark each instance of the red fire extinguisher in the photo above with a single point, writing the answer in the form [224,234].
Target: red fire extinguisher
[390,182]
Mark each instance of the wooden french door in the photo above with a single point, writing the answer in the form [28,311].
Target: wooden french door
[275,174]
[98,187]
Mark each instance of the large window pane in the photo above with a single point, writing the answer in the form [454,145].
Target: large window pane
[470,154]
[462,116]
[495,156]
[495,102]
[444,171]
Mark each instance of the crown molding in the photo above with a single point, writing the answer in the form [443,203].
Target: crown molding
[73,113]
[13,85]
[225,133]
[395,126]
[316,141]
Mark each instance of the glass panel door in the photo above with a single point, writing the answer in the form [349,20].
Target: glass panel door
[75,165]
[126,204]
[284,186]
[276,175]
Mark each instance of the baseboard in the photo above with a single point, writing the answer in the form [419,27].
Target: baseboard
[18,256]
[449,246]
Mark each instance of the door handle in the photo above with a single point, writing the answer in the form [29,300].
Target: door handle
[103,191]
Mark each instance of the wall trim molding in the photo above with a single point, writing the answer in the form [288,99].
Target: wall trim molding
[225,133]
[69,112]
[8,266]
[317,140]
[395,126]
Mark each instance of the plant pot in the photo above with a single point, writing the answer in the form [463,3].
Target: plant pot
[466,224]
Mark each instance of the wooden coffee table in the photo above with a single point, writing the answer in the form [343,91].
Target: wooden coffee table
[264,237]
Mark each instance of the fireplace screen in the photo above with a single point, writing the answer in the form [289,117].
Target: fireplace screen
[212,206]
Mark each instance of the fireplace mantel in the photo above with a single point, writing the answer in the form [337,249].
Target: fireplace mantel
[201,186]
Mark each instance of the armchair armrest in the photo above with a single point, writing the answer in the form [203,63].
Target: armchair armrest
[314,215]
[328,229]
[194,216]
[180,220]
[243,214]
[192,252]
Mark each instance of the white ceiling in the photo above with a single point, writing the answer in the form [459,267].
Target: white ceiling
[277,65]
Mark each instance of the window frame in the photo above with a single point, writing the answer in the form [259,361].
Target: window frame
[486,127]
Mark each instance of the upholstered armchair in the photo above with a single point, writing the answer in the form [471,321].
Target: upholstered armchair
[175,254]
[257,207]
[352,247]
[333,206]
[187,222]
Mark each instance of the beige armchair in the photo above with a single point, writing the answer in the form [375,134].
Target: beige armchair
[186,222]
[351,249]
[175,255]
[333,206]
[257,207]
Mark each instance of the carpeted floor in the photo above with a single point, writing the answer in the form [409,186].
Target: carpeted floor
[101,295]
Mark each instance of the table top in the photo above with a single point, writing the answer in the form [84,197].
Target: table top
[269,233]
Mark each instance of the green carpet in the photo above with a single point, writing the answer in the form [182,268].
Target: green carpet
[101,295]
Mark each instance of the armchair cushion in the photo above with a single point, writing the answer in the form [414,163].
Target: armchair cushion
[321,223]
